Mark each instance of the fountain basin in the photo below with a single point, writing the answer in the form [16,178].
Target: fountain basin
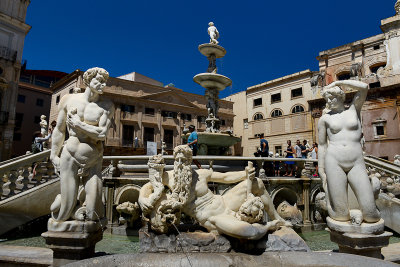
[212,49]
[214,143]
[212,80]
[317,259]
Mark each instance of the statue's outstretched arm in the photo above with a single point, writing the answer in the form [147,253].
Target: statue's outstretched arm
[228,177]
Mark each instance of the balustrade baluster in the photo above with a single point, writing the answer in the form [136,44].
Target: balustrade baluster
[24,173]
[12,178]
[38,173]
[50,170]
[2,180]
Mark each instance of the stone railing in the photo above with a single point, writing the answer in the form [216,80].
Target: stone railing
[389,168]
[24,173]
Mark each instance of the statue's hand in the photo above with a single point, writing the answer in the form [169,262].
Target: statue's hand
[56,163]
[73,120]
[250,172]
[322,175]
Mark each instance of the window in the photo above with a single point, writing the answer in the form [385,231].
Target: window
[71,91]
[278,149]
[21,98]
[127,135]
[276,98]
[169,138]
[58,99]
[149,111]
[374,69]
[18,120]
[297,109]
[148,135]
[127,108]
[246,123]
[39,102]
[201,119]
[36,119]
[379,128]
[223,123]
[374,85]
[297,92]
[376,47]
[257,102]
[186,117]
[258,116]
[169,114]
[343,76]
[17,137]
[276,113]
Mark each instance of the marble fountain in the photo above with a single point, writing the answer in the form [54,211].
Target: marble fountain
[184,222]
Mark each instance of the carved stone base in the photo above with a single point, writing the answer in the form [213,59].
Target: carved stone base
[285,239]
[348,227]
[71,246]
[76,226]
[361,244]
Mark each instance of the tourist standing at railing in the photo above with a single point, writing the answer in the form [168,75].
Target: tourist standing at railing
[290,153]
[192,143]
[314,155]
[277,165]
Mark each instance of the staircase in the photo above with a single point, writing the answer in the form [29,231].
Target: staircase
[28,186]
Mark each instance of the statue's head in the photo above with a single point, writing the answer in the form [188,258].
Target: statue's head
[43,117]
[334,97]
[166,213]
[183,154]
[211,24]
[251,211]
[182,173]
[95,79]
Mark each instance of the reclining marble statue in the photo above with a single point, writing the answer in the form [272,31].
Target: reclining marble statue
[245,211]
[340,156]
[86,117]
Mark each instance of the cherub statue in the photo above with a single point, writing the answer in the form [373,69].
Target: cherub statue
[213,32]
[87,118]
[246,211]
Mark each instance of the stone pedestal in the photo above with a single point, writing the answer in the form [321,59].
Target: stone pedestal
[72,240]
[361,244]
[71,246]
[366,239]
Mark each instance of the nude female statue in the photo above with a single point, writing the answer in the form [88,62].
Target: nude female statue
[87,117]
[238,213]
[340,156]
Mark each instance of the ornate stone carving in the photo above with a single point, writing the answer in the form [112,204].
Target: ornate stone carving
[397,7]
[246,211]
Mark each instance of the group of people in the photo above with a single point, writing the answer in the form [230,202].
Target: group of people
[300,150]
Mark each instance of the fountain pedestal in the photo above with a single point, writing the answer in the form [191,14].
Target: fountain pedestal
[72,240]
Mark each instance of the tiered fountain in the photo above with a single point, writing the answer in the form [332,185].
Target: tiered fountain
[213,141]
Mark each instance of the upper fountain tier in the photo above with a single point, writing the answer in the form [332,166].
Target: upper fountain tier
[212,49]
[212,81]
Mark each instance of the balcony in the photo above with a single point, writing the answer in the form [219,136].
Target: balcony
[129,116]
[149,118]
[3,117]
[170,121]
[8,54]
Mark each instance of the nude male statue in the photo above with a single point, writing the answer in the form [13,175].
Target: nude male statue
[238,213]
[341,160]
[213,32]
[87,117]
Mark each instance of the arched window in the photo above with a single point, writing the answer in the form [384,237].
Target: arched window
[297,109]
[258,116]
[374,68]
[276,113]
[343,76]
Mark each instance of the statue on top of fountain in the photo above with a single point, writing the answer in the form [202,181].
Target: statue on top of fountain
[213,32]
[246,211]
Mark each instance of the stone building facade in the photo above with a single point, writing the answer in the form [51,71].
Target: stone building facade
[146,110]
[278,109]
[33,100]
[13,30]
[376,61]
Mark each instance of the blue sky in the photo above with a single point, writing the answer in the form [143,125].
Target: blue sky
[264,39]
